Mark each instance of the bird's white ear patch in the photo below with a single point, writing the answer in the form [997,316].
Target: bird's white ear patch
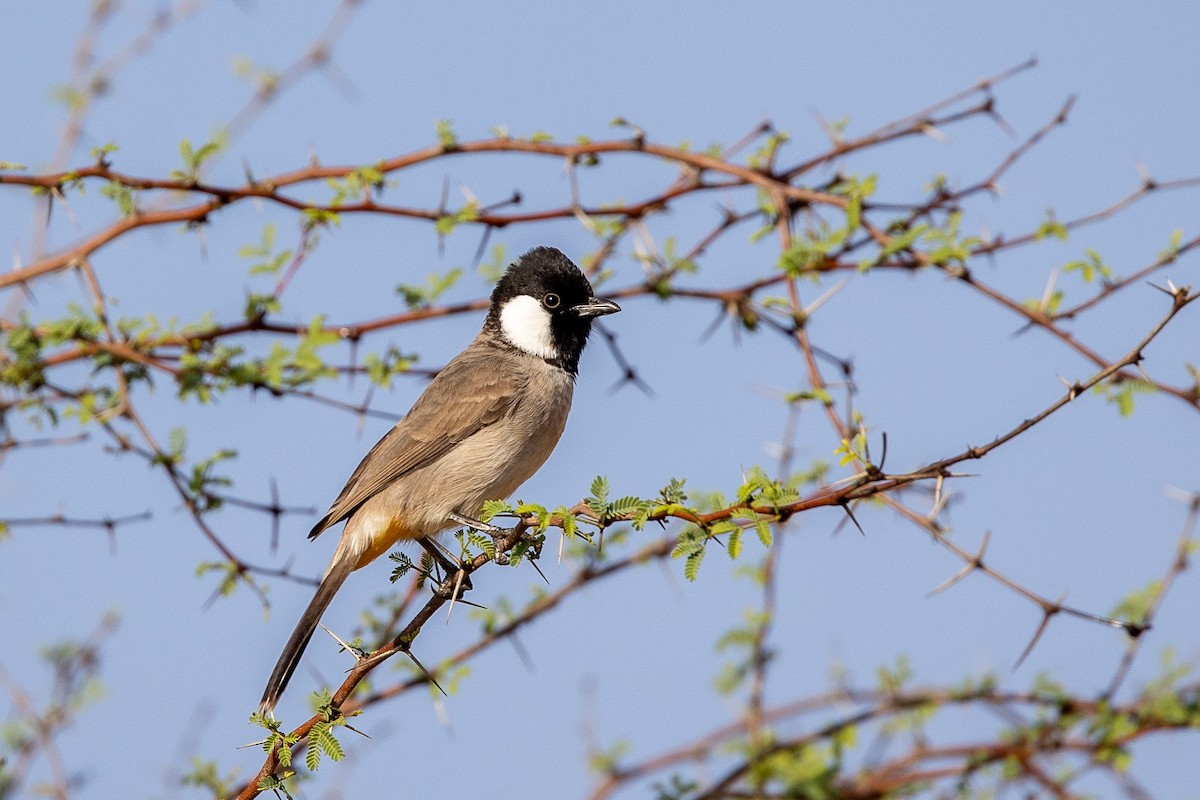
[526,324]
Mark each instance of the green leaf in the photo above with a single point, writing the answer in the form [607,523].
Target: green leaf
[1051,227]
[1136,606]
[445,134]
[599,491]
[1172,251]
[121,194]
[494,508]
[417,297]
[763,529]
[733,544]
[1090,269]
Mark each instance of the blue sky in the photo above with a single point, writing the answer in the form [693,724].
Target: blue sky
[1079,508]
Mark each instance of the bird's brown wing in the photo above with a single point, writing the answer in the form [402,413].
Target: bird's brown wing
[473,391]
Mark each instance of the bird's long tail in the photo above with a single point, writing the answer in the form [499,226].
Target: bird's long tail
[290,658]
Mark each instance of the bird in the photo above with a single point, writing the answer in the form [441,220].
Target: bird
[482,427]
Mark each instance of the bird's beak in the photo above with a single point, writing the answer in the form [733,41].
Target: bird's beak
[596,307]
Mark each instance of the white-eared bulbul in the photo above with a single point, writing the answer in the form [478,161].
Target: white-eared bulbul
[481,428]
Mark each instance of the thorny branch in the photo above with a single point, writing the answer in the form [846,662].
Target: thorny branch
[760,193]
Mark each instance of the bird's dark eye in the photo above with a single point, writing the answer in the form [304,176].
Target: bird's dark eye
[551,301]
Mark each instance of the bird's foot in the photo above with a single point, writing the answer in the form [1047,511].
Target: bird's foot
[501,536]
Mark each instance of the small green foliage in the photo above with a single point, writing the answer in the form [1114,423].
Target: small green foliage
[802,770]
[673,492]
[445,135]
[1121,393]
[1051,227]
[176,444]
[494,508]
[277,741]
[100,154]
[202,481]
[662,271]
[644,514]
[1108,731]
[1045,685]
[231,573]
[403,565]
[902,238]
[122,195]
[79,325]
[267,262]
[856,188]
[264,81]
[1047,304]
[72,97]
[1091,268]
[748,643]
[678,788]
[492,271]
[812,251]
[1172,252]
[675,261]
[1194,372]
[259,305]
[892,680]
[446,223]
[277,784]
[320,217]
[356,185]
[945,244]
[606,761]
[570,523]
[207,775]
[764,156]
[193,159]
[938,184]
[807,395]
[586,159]
[822,243]
[23,366]
[92,405]
[322,741]
[691,545]
[382,368]
[599,491]
[1135,607]
[854,449]
[214,367]
[534,509]
[606,228]
[416,297]
[11,166]
[760,489]
[608,511]
[451,676]
[1165,700]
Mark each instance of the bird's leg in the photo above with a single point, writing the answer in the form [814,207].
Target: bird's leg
[503,539]
[493,531]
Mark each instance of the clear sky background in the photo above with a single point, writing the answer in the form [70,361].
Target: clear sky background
[1078,508]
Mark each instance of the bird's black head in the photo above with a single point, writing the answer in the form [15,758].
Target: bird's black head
[544,306]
